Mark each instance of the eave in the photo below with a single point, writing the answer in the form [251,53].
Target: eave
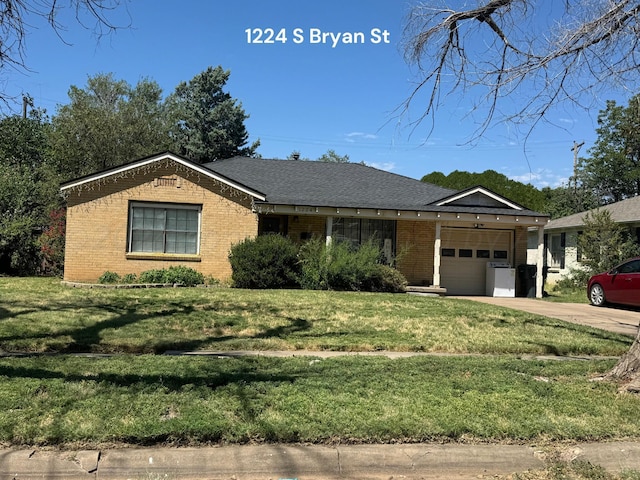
[149,161]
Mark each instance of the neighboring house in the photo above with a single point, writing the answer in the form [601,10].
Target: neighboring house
[166,210]
[562,254]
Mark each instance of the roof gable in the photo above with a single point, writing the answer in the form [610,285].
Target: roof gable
[478,197]
[129,169]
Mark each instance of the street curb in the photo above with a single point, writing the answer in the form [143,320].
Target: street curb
[309,462]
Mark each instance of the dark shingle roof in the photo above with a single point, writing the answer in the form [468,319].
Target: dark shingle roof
[299,182]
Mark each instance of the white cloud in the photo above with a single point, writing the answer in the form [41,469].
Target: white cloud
[353,136]
[386,166]
[541,178]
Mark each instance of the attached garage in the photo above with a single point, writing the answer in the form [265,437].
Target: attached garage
[464,256]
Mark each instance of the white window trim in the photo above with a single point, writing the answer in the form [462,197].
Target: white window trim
[175,206]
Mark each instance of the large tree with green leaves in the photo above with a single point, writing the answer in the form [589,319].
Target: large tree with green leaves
[567,200]
[206,122]
[28,191]
[108,123]
[613,169]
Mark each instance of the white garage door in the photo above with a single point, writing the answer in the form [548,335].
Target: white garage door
[464,256]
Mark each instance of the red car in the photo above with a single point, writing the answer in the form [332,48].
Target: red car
[620,285]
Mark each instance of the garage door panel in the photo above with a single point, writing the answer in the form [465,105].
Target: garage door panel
[464,257]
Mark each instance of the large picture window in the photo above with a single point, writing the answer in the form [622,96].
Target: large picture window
[361,230]
[164,228]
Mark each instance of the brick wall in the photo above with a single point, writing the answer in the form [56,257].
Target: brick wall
[97,220]
[415,241]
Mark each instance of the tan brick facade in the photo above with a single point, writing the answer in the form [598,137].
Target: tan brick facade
[97,222]
[414,248]
[97,237]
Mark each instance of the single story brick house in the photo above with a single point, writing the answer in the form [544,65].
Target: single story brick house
[561,252]
[165,210]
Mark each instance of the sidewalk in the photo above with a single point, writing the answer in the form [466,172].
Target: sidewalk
[253,462]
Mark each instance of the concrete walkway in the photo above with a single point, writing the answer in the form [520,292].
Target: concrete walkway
[613,319]
[253,462]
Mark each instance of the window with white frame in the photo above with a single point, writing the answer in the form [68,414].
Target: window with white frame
[164,228]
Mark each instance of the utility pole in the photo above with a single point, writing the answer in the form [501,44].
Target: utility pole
[26,101]
[575,149]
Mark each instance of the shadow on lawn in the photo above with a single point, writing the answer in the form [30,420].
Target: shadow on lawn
[90,338]
[218,378]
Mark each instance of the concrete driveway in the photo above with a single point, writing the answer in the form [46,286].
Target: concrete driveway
[613,319]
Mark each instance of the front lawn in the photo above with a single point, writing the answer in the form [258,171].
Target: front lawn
[67,400]
[41,315]
[91,401]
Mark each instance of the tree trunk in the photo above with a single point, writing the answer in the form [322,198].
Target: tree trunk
[628,367]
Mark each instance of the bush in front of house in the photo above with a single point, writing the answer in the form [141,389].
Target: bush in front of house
[267,261]
[342,266]
[109,278]
[384,278]
[178,274]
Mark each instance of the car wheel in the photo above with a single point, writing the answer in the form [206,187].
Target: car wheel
[596,295]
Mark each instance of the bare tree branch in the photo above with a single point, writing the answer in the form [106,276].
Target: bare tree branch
[18,16]
[504,48]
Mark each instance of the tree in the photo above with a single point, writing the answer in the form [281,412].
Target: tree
[613,169]
[17,17]
[568,200]
[604,243]
[108,123]
[332,157]
[28,191]
[206,123]
[542,52]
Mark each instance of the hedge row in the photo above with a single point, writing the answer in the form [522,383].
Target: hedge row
[274,261]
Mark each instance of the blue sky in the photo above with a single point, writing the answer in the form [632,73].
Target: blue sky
[301,94]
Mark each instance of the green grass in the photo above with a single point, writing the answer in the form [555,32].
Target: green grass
[41,315]
[567,295]
[70,400]
[186,400]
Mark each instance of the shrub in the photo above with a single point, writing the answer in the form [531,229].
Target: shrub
[129,278]
[314,265]
[178,274]
[109,277]
[183,275]
[385,279]
[51,243]
[268,261]
[345,267]
[153,276]
[349,266]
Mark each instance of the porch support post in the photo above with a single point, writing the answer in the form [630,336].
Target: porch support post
[436,256]
[329,230]
[540,263]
